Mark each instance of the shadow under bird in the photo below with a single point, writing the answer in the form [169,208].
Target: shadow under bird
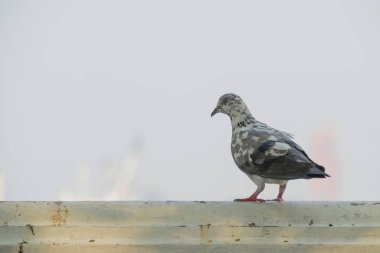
[264,154]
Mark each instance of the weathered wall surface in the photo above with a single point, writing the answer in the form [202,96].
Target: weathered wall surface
[189,227]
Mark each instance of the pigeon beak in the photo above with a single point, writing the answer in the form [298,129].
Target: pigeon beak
[215,111]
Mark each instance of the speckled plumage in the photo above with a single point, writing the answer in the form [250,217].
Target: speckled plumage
[265,154]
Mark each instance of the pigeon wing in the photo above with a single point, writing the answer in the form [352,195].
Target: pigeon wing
[269,150]
[279,160]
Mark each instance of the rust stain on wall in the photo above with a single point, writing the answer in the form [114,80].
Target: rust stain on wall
[203,230]
[30,227]
[60,216]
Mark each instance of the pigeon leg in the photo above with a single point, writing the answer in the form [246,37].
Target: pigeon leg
[253,197]
[280,193]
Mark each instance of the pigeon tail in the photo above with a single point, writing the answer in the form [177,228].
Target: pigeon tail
[316,172]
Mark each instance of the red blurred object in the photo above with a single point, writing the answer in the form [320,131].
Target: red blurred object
[323,150]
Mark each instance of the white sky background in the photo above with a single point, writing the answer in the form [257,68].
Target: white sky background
[87,86]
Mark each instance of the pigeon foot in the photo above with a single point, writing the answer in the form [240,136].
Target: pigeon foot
[250,200]
[278,199]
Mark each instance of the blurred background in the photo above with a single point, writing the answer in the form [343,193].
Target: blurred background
[111,100]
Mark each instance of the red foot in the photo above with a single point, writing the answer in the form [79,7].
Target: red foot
[249,200]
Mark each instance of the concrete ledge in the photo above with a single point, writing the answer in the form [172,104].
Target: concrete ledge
[189,227]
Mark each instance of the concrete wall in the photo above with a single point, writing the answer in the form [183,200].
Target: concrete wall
[189,227]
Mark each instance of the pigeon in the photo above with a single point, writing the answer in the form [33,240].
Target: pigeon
[266,155]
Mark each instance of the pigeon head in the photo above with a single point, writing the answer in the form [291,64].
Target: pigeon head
[232,105]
